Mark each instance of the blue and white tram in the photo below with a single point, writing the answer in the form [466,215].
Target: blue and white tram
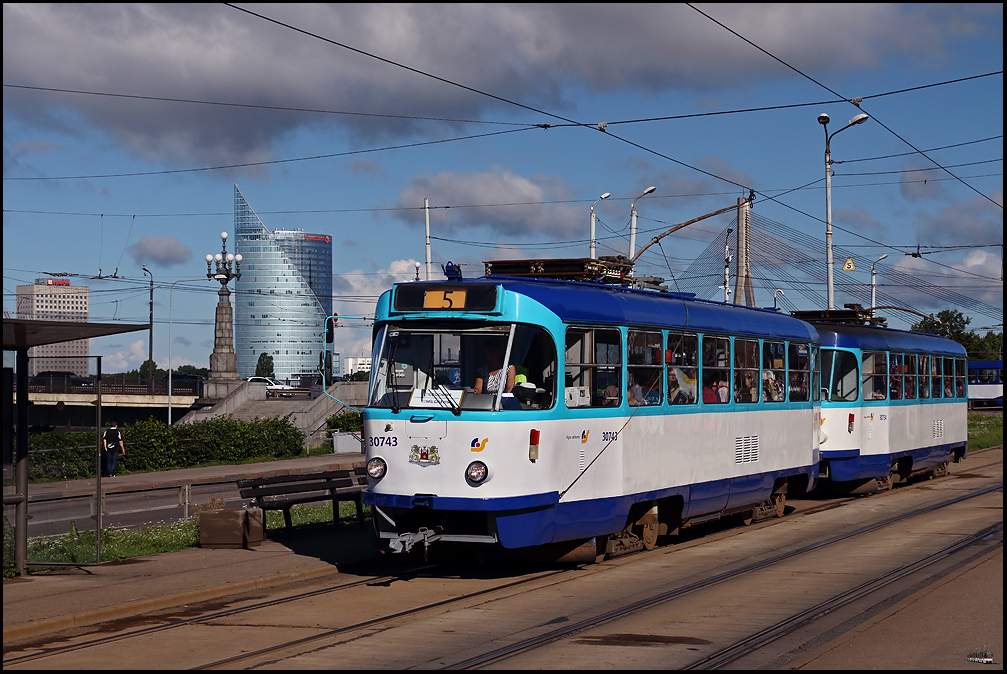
[986,382]
[894,403]
[630,413]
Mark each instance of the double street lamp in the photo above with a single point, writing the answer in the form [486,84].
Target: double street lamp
[150,336]
[874,301]
[632,222]
[823,119]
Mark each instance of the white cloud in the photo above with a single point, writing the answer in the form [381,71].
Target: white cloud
[125,360]
[160,250]
[477,199]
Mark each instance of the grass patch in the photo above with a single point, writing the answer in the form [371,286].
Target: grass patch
[985,430]
[78,547]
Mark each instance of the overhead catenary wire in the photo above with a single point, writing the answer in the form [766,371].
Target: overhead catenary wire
[842,98]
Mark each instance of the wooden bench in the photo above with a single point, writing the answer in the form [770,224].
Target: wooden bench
[282,492]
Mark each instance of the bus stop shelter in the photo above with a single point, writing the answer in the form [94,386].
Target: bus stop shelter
[19,335]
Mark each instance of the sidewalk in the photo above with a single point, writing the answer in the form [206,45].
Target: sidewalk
[51,601]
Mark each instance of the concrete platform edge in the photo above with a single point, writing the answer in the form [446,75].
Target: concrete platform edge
[117,612]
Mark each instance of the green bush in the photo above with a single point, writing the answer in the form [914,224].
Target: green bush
[153,446]
[345,422]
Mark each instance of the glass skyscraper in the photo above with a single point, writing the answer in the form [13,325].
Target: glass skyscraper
[282,297]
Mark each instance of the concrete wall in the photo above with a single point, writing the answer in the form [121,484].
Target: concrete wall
[232,403]
[307,415]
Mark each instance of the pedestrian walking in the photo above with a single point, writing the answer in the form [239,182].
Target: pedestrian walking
[112,445]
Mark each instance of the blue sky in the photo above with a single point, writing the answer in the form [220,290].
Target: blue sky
[523,193]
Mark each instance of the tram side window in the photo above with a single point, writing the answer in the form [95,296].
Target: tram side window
[986,376]
[774,372]
[816,374]
[646,368]
[716,370]
[682,357]
[935,377]
[875,371]
[949,377]
[746,371]
[910,376]
[924,376]
[593,367]
[896,368]
[840,376]
[800,372]
[960,377]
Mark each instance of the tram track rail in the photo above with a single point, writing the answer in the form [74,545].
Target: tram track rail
[532,643]
[763,638]
[515,649]
[211,616]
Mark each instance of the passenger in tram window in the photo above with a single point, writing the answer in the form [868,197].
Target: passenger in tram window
[747,391]
[634,394]
[896,388]
[489,377]
[798,387]
[676,395]
[769,386]
[710,388]
[723,390]
[611,396]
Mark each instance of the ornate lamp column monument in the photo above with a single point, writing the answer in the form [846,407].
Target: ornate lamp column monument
[223,361]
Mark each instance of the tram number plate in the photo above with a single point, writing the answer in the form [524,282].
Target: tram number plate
[444,299]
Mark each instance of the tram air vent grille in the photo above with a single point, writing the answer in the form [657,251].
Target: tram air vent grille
[939,429]
[746,449]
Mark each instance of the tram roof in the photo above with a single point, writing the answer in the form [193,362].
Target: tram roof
[575,301]
[866,337]
[985,364]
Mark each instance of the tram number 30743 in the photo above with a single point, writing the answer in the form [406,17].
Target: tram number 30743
[382,441]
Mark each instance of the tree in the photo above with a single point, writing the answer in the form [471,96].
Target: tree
[142,372]
[953,324]
[949,323]
[264,368]
[360,375]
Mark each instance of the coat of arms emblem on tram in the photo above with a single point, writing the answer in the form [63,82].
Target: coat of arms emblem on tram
[424,455]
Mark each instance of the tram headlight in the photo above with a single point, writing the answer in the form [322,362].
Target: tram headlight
[377,468]
[477,472]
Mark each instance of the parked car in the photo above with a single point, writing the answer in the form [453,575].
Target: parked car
[315,387]
[273,387]
[60,382]
[186,382]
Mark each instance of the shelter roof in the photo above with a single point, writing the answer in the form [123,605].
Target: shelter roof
[20,333]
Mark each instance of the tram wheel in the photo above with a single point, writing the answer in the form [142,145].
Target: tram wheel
[746,517]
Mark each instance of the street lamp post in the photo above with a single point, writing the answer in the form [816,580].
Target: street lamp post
[632,222]
[171,298]
[150,336]
[823,119]
[593,220]
[874,301]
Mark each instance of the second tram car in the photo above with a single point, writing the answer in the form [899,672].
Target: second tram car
[528,412]
[986,382]
[894,403]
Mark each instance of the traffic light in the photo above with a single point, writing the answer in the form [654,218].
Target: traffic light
[330,324]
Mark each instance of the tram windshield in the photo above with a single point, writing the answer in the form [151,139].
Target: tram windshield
[510,367]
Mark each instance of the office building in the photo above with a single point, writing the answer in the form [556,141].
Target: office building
[354,365]
[282,297]
[55,300]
